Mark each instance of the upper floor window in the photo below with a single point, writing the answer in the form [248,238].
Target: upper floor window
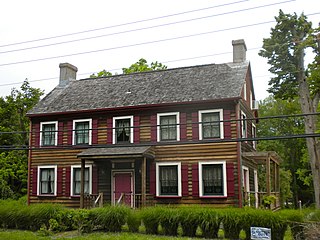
[76,180]
[245,91]
[123,129]
[168,177]
[254,135]
[244,123]
[168,126]
[212,179]
[47,180]
[49,133]
[211,124]
[82,130]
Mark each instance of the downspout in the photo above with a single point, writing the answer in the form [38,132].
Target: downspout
[240,192]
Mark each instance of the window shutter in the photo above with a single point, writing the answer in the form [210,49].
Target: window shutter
[94,131]
[70,132]
[37,134]
[230,179]
[195,126]
[60,133]
[195,180]
[183,126]
[152,179]
[184,174]
[136,129]
[67,182]
[34,181]
[94,180]
[227,124]
[109,130]
[59,181]
[153,122]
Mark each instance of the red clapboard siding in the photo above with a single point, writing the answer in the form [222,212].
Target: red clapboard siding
[184,173]
[34,181]
[109,131]
[94,180]
[70,132]
[67,181]
[37,134]
[195,180]
[153,122]
[230,179]
[136,129]
[183,126]
[227,124]
[152,179]
[94,131]
[59,181]
[60,133]
[195,126]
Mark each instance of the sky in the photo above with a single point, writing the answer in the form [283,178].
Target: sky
[37,35]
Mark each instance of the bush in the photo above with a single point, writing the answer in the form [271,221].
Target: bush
[134,220]
[82,221]
[231,220]
[151,219]
[169,220]
[210,222]
[189,220]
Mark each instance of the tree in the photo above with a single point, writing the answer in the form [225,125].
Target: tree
[285,50]
[140,66]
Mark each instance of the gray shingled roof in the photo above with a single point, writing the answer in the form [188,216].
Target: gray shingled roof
[186,84]
[116,151]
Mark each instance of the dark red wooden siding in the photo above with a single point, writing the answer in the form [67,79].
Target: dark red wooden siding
[195,180]
[94,131]
[227,124]
[136,129]
[37,134]
[59,181]
[67,181]
[60,133]
[183,126]
[34,181]
[109,131]
[153,122]
[152,179]
[70,132]
[184,173]
[195,126]
[230,179]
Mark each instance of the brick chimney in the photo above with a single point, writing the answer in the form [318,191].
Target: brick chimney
[239,50]
[67,72]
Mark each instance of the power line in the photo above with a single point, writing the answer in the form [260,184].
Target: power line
[145,28]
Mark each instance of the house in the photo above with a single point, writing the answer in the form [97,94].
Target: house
[178,136]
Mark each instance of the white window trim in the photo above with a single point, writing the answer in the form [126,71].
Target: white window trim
[244,134]
[114,128]
[158,164]
[246,182]
[72,178]
[224,172]
[245,90]
[254,130]
[55,134]
[55,180]
[251,100]
[74,128]
[177,114]
[220,111]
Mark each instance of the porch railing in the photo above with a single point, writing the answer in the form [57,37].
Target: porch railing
[126,198]
[256,199]
[93,200]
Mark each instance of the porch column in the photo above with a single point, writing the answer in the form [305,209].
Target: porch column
[83,163]
[143,181]
[268,174]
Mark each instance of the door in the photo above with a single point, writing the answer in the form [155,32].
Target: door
[123,188]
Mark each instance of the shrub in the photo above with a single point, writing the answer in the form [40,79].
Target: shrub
[134,220]
[82,221]
[294,219]
[169,220]
[210,220]
[189,220]
[151,219]
[231,219]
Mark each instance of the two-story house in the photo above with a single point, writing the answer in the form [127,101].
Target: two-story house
[178,136]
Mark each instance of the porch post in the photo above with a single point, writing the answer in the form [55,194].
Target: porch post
[83,163]
[268,175]
[143,181]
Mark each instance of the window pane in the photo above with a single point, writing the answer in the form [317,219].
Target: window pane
[210,125]
[168,128]
[212,179]
[48,134]
[82,133]
[123,130]
[168,180]
[77,181]
[47,181]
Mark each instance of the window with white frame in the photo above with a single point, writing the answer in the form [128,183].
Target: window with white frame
[254,135]
[243,122]
[245,179]
[211,124]
[168,177]
[48,133]
[168,126]
[47,180]
[76,180]
[123,129]
[82,131]
[212,179]
[245,91]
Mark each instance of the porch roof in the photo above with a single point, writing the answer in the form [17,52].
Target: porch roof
[117,152]
[261,157]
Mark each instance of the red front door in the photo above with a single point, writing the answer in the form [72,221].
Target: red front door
[122,183]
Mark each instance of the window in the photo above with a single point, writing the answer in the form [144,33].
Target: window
[82,130]
[76,180]
[243,125]
[48,133]
[168,179]
[168,127]
[211,124]
[123,129]
[212,179]
[47,180]
[254,135]
[245,91]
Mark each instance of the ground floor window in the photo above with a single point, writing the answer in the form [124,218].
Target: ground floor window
[47,180]
[76,180]
[168,179]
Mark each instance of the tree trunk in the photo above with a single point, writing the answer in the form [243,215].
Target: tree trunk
[307,107]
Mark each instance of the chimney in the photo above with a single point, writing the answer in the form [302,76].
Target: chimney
[239,50]
[67,72]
